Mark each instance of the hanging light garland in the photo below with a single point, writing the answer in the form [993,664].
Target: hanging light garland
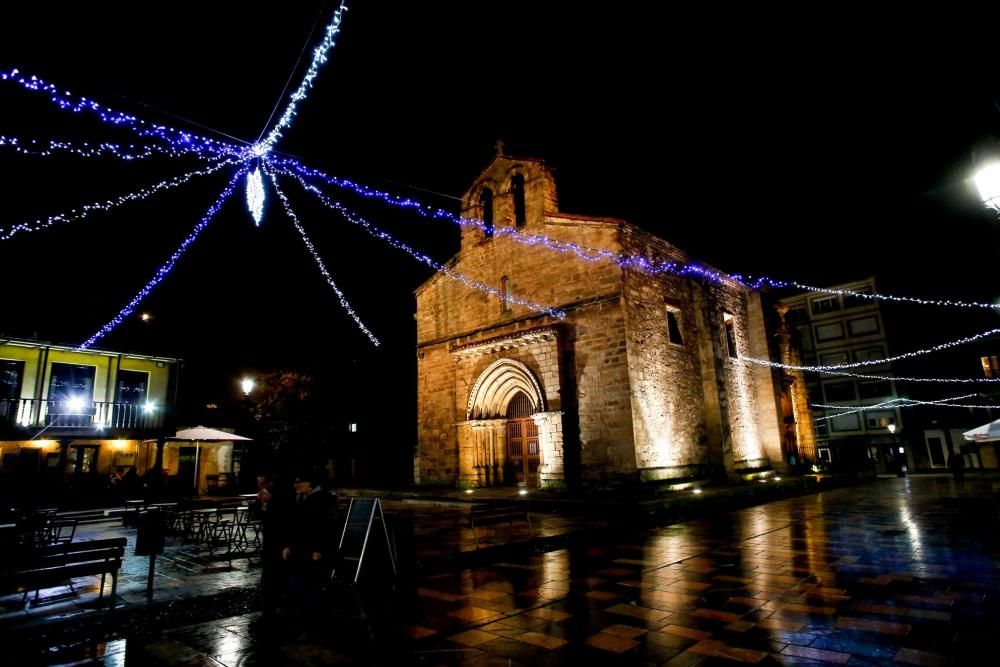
[174,137]
[374,231]
[890,402]
[76,214]
[649,266]
[319,262]
[255,187]
[876,362]
[897,378]
[186,143]
[319,58]
[34,148]
[905,403]
[167,266]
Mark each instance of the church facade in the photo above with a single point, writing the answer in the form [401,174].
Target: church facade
[639,382]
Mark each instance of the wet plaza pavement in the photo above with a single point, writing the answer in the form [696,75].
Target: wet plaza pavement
[901,571]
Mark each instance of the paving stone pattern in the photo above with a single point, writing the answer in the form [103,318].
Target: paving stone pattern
[901,572]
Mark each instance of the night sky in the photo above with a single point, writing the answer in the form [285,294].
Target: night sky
[817,148]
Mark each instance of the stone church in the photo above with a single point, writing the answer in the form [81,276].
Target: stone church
[639,383]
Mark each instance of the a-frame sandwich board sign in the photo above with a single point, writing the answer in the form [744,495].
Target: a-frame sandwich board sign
[362,513]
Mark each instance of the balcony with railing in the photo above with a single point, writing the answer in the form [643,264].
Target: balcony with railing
[77,416]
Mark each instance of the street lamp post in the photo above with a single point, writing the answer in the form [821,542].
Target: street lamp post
[899,453]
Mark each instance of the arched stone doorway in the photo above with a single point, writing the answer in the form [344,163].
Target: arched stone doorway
[508,437]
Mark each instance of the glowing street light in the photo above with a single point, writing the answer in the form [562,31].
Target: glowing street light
[987,180]
[247,384]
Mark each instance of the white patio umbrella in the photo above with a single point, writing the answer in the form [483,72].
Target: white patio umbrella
[200,434]
[985,433]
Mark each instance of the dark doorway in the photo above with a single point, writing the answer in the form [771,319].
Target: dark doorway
[187,461]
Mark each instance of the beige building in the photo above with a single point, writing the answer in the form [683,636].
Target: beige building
[64,410]
[639,382]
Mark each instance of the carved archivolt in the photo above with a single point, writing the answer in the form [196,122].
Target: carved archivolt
[498,384]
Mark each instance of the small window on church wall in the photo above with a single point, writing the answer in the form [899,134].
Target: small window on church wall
[674,325]
[517,192]
[730,323]
[486,204]
[505,295]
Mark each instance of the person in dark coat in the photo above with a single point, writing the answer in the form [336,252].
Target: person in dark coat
[272,506]
[957,465]
[310,541]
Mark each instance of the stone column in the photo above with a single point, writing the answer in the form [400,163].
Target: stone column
[480,450]
[499,427]
[551,469]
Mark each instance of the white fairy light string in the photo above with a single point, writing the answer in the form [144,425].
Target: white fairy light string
[897,378]
[319,262]
[831,406]
[76,214]
[374,231]
[127,152]
[318,60]
[876,362]
[589,254]
[906,403]
[174,137]
[185,143]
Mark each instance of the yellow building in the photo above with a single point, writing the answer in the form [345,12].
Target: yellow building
[81,411]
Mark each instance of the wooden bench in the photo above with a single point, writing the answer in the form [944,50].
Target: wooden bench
[481,514]
[54,565]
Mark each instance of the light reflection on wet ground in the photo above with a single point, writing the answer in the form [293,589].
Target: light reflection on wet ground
[903,571]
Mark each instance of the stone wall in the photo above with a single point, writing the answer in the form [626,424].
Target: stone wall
[695,408]
[616,398]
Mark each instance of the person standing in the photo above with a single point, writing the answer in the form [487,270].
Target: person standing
[271,507]
[957,464]
[310,546]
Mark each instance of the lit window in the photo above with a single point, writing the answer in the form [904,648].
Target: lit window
[991,366]
[352,428]
[879,419]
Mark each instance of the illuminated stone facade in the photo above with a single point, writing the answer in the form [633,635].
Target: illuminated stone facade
[619,390]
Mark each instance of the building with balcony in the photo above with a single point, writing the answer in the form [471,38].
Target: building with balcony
[70,411]
[640,382]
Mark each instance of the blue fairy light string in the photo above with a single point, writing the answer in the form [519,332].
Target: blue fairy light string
[167,266]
